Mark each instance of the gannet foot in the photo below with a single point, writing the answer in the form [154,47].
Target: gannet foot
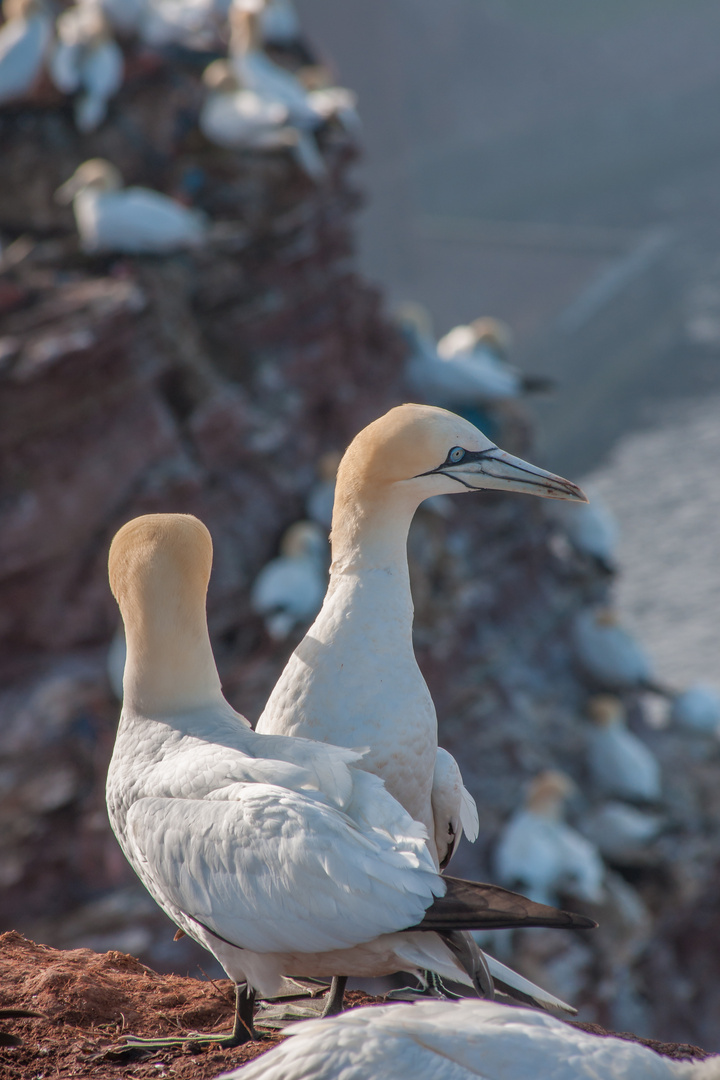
[436,988]
[242,1032]
[336,996]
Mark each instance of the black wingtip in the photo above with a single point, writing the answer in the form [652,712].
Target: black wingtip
[475,905]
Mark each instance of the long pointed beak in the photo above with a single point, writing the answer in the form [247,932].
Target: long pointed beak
[494,468]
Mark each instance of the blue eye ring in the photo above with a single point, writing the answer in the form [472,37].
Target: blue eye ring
[456,455]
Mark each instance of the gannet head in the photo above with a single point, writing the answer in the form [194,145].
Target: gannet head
[304,539]
[605,710]
[426,451]
[160,560]
[548,791]
[220,77]
[493,332]
[97,174]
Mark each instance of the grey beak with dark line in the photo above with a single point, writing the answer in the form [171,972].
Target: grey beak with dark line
[496,469]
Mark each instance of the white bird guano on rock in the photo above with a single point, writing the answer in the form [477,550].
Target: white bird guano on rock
[464,1040]
[135,220]
[276,854]
[354,680]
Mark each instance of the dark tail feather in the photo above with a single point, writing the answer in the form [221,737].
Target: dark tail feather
[538,384]
[473,905]
[465,950]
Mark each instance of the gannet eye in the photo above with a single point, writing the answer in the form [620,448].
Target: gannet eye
[456,454]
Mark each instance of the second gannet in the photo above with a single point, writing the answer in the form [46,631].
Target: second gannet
[484,344]
[278,855]
[609,654]
[134,220]
[541,854]
[88,61]
[354,680]
[619,762]
[464,1040]
[289,590]
[24,39]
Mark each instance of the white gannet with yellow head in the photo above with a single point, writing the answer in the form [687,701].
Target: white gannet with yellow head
[354,680]
[278,855]
[134,220]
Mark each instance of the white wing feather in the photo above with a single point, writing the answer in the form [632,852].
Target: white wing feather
[272,871]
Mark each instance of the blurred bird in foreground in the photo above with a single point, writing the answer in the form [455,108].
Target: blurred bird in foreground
[441,1040]
[135,220]
[538,852]
[24,40]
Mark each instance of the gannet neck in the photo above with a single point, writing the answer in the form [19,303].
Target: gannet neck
[159,572]
[370,531]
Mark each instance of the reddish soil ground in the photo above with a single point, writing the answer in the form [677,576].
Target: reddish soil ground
[88,1000]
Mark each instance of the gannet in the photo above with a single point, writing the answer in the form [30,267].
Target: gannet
[24,39]
[621,832]
[484,344]
[620,764]
[240,119]
[464,1040]
[320,499]
[591,529]
[540,853]
[278,855]
[457,383]
[135,220]
[354,680]
[289,590]
[697,709]
[87,59]
[608,652]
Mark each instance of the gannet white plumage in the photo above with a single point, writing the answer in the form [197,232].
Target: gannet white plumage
[86,59]
[464,1040]
[621,832]
[289,590]
[135,220]
[354,680]
[619,762]
[538,852]
[608,652]
[697,709]
[24,39]
[276,854]
[592,530]
[240,119]
[483,345]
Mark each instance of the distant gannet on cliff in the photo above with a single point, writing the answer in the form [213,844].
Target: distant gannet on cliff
[485,344]
[591,529]
[622,832]
[608,652]
[620,764]
[24,40]
[278,855]
[354,680]
[135,220]
[538,852]
[88,61]
[697,709]
[289,590]
[464,1040]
